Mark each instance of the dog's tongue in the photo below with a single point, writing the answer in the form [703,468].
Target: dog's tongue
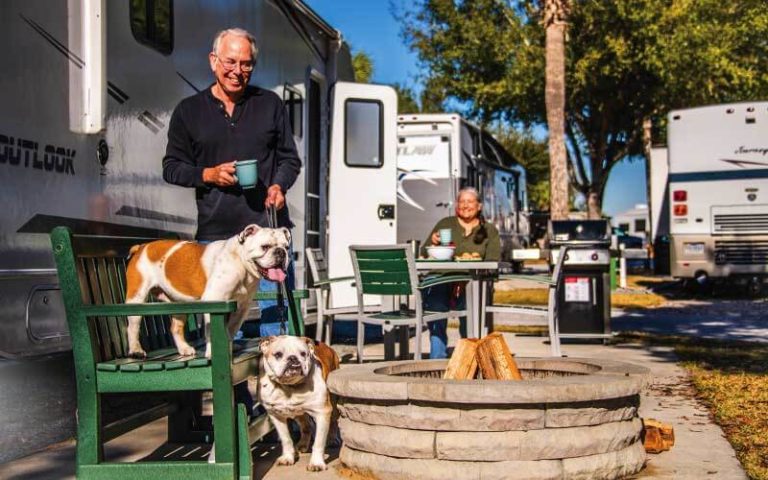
[276,274]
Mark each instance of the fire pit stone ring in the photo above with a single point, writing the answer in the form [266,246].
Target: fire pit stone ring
[568,418]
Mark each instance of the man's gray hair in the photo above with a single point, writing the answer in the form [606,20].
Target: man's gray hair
[236,32]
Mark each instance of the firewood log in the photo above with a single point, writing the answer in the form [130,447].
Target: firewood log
[495,360]
[463,362]
[661,435]
[666,431]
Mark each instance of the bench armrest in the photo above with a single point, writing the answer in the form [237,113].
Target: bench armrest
[432,281]
[158,308]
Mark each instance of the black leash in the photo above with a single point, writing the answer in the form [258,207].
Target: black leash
[282,290]
[272,223]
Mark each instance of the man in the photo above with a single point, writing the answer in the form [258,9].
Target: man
[226,122]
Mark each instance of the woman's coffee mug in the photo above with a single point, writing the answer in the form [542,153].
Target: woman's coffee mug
[247,172]
[445,235]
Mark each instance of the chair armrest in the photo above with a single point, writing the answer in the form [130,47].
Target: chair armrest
[432,281]
[532,278]
[333,280]
[157,308]
[298,294]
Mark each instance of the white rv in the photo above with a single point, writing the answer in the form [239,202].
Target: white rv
[437,155]
[718,192]
[88,91]
[88,87]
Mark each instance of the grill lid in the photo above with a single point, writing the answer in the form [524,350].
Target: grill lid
[579,232]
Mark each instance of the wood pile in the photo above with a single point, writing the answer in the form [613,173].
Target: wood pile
[490,356]
[657,436]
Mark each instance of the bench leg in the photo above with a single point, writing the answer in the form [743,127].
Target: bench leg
[224,417]
[244,459]
[90,450]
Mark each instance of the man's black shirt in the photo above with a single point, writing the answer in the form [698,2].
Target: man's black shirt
[202,135]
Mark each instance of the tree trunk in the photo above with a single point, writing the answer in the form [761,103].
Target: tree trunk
[555,12]
[647,144]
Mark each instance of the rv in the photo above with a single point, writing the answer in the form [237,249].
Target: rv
[718,193]
[88,88]
[87,91]
[437,155]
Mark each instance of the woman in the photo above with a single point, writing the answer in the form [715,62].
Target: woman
[471,234]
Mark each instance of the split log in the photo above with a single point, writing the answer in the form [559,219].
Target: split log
[495,360]
[657,436]
[463,362]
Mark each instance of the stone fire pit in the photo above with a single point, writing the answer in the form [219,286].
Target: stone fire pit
[569,418]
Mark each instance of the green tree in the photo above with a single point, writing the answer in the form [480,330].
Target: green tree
[406,99]
[626,62]
[533,154]
[432,97]
[362,66]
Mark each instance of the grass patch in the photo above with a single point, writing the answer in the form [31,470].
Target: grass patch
[732,380]
[645,281]
[539,296]
[521,296]
[636,300]
[538,330]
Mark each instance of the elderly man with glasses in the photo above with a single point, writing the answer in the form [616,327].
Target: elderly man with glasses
[226,122]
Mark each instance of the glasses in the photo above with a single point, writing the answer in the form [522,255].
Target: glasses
[230,64]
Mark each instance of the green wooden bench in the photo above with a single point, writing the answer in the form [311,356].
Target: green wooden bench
[91,273]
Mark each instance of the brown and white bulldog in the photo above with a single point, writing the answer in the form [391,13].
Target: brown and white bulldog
[292,385]
[181,271]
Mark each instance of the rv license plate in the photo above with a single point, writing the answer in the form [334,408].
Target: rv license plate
[693,248]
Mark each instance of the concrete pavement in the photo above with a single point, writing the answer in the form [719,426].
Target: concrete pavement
[700,449]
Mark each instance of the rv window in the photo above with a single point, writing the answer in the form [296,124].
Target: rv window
[363,132]
[293,108]
[152,24]
[639,225]
[624,227]
[472,179]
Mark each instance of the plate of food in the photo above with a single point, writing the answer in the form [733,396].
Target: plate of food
[468,257]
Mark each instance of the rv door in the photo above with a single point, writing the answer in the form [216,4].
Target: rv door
[362,186]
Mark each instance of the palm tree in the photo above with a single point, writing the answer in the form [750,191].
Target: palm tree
[555,16]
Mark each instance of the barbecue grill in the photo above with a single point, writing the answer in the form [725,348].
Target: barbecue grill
[584,290]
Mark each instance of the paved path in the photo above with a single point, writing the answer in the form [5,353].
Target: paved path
[700,452]
[722,319]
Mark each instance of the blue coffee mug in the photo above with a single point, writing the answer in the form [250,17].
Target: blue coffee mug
[247,172]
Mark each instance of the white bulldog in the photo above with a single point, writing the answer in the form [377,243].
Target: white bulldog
[180,271]
[292,385]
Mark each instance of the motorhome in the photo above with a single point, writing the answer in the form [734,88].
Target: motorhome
[88,87]
[718,193]
[437,155]
[87,91]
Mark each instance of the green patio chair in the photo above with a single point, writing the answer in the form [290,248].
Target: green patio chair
[326,310]
[390,270]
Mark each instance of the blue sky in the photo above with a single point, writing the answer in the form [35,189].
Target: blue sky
[369,25]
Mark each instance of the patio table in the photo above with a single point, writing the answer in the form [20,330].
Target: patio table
[481,271]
